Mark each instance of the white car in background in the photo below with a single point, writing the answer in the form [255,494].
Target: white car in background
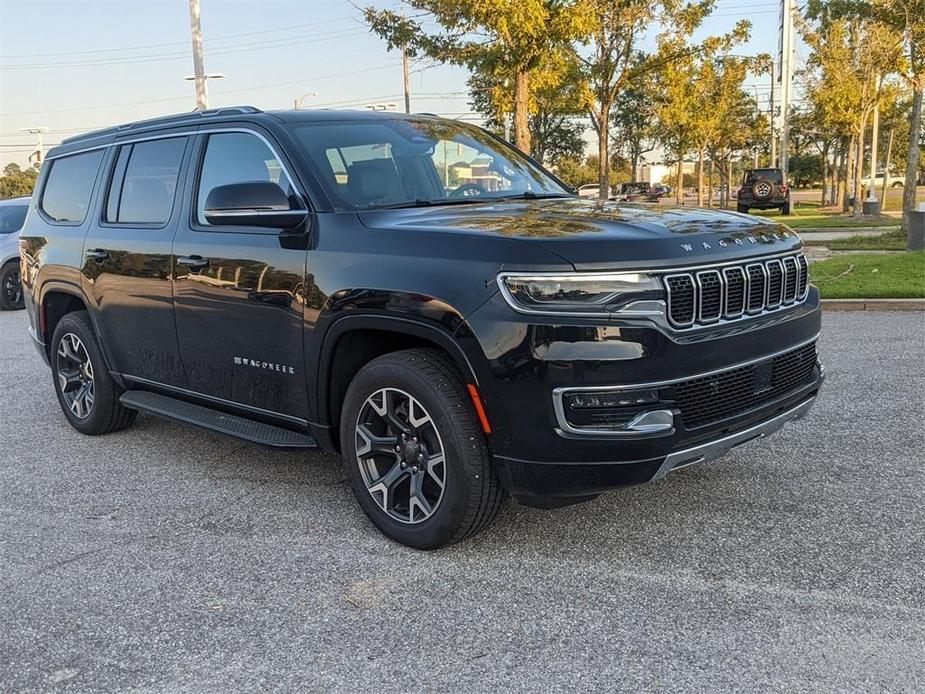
[893,181]
[589,190]
[12,216]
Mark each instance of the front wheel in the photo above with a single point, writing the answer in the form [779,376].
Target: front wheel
[786,208]
[743,209]
[414,452]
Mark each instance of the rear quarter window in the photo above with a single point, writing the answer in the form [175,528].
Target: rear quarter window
[12,218]
[66,196]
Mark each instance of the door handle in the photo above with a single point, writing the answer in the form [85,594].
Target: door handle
[97,254]
[193,262]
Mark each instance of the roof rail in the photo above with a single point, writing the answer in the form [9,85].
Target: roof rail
[175,119]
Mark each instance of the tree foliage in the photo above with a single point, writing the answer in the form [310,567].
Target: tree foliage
[16,182]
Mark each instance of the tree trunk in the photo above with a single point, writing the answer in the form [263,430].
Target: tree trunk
[603,151]
[522,111]
[912,158]
[825,172]
[710,184]
[679,182]
[886,169]
[857,208]
[849,172]
[729,176]
[700,177]
[634,165]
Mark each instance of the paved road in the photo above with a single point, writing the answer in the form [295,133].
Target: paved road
[162,559]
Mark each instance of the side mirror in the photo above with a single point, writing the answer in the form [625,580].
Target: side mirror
[256,204]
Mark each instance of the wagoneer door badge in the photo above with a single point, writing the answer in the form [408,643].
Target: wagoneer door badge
[268,365]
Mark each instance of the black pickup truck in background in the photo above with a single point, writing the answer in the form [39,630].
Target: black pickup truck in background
[412,293]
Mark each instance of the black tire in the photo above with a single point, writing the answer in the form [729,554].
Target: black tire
[11,298]
[786,208]
[742,208]
[470,496]
[104,413]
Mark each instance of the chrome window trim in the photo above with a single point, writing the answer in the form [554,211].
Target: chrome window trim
[559,394]
[203,129]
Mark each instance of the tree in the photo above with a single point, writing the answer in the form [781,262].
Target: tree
[15,182]
[491,37]
[633,119]
[554,132]
[904,20]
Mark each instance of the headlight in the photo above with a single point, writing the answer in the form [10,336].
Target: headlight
[596,294]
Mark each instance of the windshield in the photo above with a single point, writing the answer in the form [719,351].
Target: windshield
[12,218]
[366,165]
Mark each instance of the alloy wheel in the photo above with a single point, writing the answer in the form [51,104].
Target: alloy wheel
[400,455]
[75,375]
[12,288]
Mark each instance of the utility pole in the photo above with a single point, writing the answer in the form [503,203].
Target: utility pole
[39,147]
[772,116]
[199,72]
[406,78]
[786,81]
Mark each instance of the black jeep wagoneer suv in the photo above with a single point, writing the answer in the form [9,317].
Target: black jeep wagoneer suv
[415,294]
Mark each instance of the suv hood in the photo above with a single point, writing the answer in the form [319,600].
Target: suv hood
[595,235]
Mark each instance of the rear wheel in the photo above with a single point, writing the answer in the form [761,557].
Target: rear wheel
[786,208]
[414,452]
[10,287]
[88,395]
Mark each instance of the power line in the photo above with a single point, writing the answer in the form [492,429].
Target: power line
[176,43]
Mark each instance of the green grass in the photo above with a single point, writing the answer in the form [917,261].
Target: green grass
[898,276]
[890,241]
[808,216]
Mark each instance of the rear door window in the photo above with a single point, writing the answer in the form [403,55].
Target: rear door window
[12,218]
[66,196]
[145,182]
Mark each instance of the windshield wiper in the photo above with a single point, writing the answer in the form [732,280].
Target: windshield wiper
[530,195]
[422,202]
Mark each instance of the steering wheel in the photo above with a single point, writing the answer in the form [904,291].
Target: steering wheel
[468,190]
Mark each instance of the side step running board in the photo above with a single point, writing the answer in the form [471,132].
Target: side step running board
[213,420]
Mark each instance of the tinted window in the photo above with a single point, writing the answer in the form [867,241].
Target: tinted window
[237,158]
[66,197]
[773,175]
[145,193]
[417,161]
[12,218]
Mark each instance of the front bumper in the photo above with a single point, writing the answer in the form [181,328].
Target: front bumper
[532,365]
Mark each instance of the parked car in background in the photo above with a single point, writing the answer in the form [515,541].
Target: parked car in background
[12,216]
[892,181]
[764,189]
[638,191]
[589,190]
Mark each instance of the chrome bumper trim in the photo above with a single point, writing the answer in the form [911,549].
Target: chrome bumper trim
[718,448]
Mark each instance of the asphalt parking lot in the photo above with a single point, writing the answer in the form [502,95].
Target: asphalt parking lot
[165,559]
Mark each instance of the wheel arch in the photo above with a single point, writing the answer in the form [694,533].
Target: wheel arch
[56,300]
[353,341]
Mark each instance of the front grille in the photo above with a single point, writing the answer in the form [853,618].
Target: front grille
[712,398]
[730,292]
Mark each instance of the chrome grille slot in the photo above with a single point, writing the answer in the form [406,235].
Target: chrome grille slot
[757,287]
[804,276]
[710,286]
[729,292]
[681,299]
[735,291]
[791,271]
[775,284]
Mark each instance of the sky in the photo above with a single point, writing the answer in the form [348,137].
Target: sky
[81,65]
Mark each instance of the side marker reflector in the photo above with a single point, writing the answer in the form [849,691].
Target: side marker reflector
[479,409]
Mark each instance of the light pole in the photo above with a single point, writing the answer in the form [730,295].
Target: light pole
[297,103]
[199,71]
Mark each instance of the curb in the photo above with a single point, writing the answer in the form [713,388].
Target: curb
[873,304]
